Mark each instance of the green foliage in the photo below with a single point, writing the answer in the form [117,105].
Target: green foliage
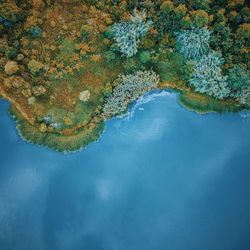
[200,4]
[221,38]
[129,65]
[145,56]
[238,77]
[110,55]
[199,18]
[207,104]
[170,67]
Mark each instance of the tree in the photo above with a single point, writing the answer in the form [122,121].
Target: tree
[145,56]
[199,4]
[199,18]
[238,79]
[193,43]
[244,98]
[208,78]
[128,34]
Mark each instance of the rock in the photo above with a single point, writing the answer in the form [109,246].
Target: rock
[11,67]
[84,96]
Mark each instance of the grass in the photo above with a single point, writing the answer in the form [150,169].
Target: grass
[59,142]
[205,104]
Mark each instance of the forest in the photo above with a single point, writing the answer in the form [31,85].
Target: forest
[66,66]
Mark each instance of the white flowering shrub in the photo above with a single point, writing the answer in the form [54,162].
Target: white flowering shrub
[128,34]
[193,43]
[208,78]
[244,97]
[129,88]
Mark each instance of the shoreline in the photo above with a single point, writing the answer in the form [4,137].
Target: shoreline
[200,104]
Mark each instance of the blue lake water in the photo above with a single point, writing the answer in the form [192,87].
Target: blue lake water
[162,178]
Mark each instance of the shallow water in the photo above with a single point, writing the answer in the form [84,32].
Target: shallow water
[162,178]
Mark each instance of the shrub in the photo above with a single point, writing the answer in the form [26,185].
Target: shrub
[238,79]
[35,66]
[36,32]
[145,56]
[208,77]
[200,18]
[129,88]
[244,97]
[193,43]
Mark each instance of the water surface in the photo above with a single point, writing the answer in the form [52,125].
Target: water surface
[162,178]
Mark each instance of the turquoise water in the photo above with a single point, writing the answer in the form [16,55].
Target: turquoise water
[161,178]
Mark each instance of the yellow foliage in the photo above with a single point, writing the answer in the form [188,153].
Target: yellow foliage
[167,5]
[43,128]
[108,20]
[244,30]
[233,3]
[96,58]
[37,4]
[68,70]
[67,121]
[106,41]
[75,57]
[59,75]
[181,10]
[79,65]
[102,27]
[82,52]
[52,70]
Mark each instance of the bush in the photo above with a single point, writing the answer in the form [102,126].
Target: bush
[129,88]
[238,79]
[200,18]
[36,32]
[145,56]
[244,97]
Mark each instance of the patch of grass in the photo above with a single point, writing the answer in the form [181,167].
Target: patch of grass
[59,142]
[67,48]
[204,104]
[170,67]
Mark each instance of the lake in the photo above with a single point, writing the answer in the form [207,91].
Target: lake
[161,178]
